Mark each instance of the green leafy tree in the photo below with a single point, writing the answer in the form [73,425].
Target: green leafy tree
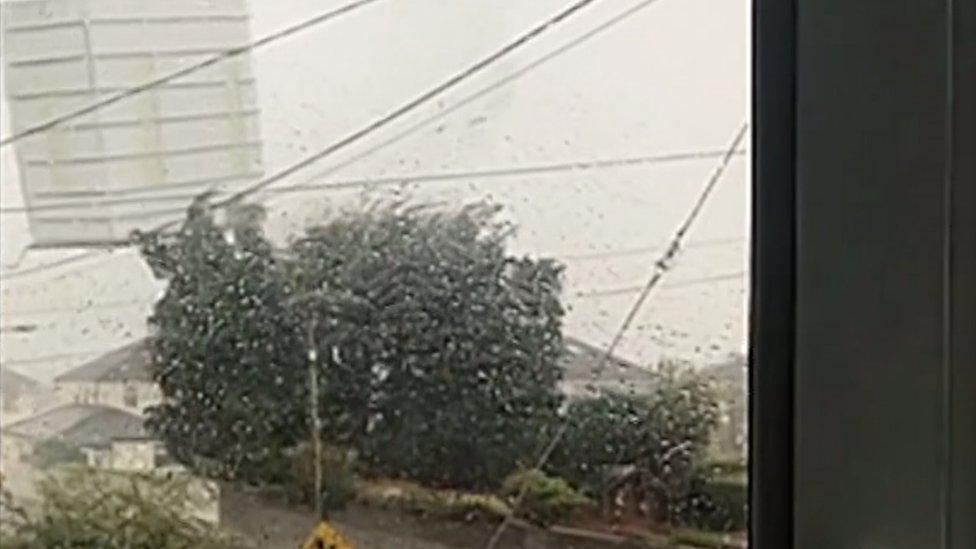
[438,348]
[226,351]
[656,443]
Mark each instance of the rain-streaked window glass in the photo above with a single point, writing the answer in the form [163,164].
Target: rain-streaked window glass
[374,273]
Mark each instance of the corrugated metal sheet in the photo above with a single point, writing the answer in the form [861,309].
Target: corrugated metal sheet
[138,162]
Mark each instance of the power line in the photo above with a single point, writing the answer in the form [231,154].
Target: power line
[661,267]
[132,303]
[406,108]
[210,61]
[508,172]
[494,86]
[53,265]
[738,275]
[583,256]
[111,305]
[680,284]
[407,179]
[49,358]
[643,250]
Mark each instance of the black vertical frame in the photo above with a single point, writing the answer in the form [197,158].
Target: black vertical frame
[772,318]
[961,526]
[863,305]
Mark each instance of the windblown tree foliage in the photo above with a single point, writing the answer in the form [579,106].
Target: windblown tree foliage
[226,351]
[436,350]
[656,443]
[439,348]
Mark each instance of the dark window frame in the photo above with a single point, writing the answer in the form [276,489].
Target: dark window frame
[773,294]
[775,486]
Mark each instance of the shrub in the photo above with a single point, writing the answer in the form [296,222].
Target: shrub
[717,504]
[730,499]
[429,502]
[545,499]
[338,476]
[83,509]
[660,437]
[602,432]
[52,452]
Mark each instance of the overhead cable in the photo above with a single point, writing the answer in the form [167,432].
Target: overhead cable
[660,268]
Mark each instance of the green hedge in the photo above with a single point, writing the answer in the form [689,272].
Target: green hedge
[82,508]
[719,505]
[696,538]
[413,498]
[338,477]
[545,499]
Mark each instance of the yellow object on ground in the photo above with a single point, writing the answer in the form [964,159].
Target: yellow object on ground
[326,537]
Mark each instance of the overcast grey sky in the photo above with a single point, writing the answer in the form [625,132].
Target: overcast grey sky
[671,79]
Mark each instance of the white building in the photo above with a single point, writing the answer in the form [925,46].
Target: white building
[90,428]
[112,440]
[134,454]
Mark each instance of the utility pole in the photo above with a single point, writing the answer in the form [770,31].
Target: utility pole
[313,404]
[308,299]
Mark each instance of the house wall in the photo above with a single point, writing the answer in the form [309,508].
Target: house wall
[14,449]
[20,476]
[16,407]
[133,455]
[97,458]
[131,396]
[19,405]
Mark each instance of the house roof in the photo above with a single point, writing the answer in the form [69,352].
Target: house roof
[730,378]
[580,363]
[127,363]
[13,383]
[731,371]
[79,424]
[580,359]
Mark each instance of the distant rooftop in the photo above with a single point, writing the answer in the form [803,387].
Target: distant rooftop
[79,424]
[13,383]
[731,371]
[127,363]
[581,360]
